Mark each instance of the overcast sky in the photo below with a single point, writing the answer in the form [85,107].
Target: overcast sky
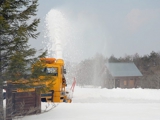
[109,27]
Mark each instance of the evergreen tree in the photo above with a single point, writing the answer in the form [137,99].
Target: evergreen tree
[15,31]
[113,59]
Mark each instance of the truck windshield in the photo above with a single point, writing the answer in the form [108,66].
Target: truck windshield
[51,70]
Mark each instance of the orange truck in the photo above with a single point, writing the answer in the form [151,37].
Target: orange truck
[57,92]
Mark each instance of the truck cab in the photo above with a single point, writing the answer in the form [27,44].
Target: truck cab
[57,93]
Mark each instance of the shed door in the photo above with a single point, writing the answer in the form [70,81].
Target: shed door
[117,83]
[131,83]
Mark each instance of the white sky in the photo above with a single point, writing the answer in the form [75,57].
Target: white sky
[108,27]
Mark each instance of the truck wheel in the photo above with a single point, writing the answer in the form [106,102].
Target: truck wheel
[43,100]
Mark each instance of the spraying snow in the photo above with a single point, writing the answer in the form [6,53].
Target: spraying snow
[74,36]
[56,31]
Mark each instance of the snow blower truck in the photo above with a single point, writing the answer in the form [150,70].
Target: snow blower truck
[58,91]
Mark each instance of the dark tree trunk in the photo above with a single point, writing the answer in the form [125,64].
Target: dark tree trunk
[1,94]
[1,87]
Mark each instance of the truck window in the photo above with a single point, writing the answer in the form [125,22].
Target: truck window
[51,70]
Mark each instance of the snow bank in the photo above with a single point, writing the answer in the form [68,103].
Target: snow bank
[104,104]
[87,95]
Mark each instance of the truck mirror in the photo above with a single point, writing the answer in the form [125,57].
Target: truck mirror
[64,71]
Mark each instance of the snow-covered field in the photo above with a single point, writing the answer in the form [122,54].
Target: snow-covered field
[106,104]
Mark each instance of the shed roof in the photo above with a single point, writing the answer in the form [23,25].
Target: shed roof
[123,69]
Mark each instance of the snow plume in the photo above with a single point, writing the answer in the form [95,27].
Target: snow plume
[74,37]
[56,31]
[61,36]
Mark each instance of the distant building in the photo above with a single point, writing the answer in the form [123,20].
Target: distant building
[121,75]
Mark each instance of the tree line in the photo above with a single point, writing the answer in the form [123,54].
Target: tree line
[90,71]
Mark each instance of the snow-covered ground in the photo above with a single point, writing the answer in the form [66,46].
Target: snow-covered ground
[106,104]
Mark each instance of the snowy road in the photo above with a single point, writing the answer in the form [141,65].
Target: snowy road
[104,104]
